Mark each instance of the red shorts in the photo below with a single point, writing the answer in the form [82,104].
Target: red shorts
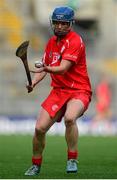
[59,97]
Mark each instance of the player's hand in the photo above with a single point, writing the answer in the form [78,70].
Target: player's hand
[38,70]
[29,88]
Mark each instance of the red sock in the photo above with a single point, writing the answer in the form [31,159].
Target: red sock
[72,154]
[37,161]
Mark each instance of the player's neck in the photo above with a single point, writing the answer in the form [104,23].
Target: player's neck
[59,38]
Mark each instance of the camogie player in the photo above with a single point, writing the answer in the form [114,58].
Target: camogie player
[65,60]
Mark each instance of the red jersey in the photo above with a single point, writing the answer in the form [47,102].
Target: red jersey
[71,48]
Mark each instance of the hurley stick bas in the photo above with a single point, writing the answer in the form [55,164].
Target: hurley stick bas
[21,52]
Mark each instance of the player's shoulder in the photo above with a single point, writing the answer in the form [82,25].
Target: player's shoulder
[52,38]
[51,41]
[75,38]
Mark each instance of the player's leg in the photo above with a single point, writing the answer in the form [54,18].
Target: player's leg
[75,109]
[44,122]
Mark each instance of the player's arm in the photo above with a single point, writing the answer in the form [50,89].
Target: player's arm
[36,79]
[61,69]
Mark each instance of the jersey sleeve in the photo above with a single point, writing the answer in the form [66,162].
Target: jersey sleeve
[73,51]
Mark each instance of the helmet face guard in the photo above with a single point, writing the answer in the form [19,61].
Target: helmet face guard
[62,14]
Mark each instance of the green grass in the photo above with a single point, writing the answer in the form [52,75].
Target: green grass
[97,158]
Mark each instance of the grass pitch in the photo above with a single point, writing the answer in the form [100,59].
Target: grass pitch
[97,158]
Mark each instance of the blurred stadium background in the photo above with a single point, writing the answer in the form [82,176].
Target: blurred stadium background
[20,20]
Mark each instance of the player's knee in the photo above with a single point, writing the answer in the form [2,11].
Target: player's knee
[39,132]
[69,120]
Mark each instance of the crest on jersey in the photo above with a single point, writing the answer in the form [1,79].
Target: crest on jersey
[54,107]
